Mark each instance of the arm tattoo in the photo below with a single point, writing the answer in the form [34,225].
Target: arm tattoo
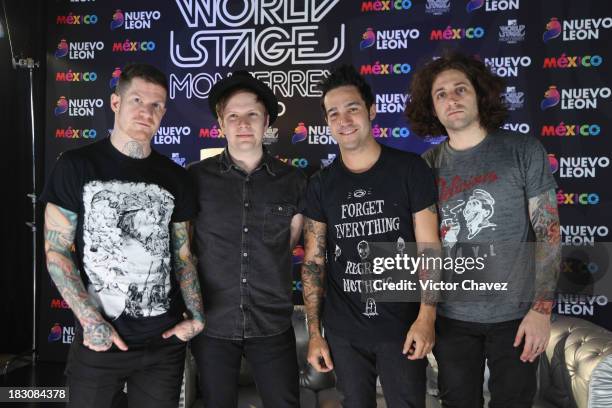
[545,222]
[432,208]
[184,264]
[59,231]
[429,272]
[313,272]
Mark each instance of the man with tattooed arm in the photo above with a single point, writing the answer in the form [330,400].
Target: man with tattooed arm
[371,193]
[495,193]
[132,284]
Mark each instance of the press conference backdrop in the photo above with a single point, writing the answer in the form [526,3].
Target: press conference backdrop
[554,54]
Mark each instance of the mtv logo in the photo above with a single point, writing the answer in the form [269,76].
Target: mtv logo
[178,159]
[328,161]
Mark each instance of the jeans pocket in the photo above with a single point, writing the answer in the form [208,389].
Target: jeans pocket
[277,222]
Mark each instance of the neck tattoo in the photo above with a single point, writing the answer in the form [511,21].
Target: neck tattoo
[134,150]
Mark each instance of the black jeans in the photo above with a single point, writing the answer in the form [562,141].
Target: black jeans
[153,372]
[461,349]
[272,360]
[357,363]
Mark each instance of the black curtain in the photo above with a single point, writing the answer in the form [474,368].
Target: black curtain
[26,23]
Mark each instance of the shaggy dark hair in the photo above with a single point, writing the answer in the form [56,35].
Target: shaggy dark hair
[345,75]
[143,71]
[420,109]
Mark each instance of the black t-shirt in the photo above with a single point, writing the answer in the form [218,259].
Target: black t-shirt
[125,208]
[374,206]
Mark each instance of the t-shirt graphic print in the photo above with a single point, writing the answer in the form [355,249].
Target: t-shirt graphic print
[126,252]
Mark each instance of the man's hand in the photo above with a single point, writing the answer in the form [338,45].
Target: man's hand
[185,330]
[318,354]
[535,328]
[100,336]
[420,339]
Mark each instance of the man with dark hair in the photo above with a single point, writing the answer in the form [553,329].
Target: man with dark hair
[395,194]
[496,193]
[127,210]
[248,223]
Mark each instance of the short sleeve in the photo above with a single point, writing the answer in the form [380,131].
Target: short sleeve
[313,201]
[421,185]
[64,184]
[538,176]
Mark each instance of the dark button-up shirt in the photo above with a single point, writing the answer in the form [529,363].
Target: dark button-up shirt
[242,242]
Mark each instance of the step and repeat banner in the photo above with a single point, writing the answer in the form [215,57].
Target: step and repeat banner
[554,55]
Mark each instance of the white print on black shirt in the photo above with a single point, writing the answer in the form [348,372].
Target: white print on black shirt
[364,228]
[476,214]
[126,253]
[370,308]
[363,220]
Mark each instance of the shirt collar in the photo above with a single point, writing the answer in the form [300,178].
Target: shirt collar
[267,161]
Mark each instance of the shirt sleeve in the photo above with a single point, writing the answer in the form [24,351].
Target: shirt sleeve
[538,176]
[64,184]
[421,186]
[313,206]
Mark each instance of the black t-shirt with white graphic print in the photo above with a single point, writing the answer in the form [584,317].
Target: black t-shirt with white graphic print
[125,208]
[373,206]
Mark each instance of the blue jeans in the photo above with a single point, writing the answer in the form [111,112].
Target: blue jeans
[358,362]
[461,349]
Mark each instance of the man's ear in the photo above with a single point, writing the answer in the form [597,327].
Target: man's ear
[115,102]
[372,112]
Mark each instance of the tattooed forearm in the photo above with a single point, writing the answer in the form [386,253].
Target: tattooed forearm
[428,244]
[59,231]
[312,284]
[184,264]
[430,272]
[545,221]
[313,272]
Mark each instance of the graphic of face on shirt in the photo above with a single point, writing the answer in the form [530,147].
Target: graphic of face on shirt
[126,251]
[475,214]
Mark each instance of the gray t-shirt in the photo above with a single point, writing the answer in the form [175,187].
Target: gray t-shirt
[483,195]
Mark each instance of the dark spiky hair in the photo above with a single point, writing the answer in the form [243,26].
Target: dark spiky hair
[346,75]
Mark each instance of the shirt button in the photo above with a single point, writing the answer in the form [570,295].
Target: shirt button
[246,204]
[280,208]
[244,254]
[243,280]
[246,229]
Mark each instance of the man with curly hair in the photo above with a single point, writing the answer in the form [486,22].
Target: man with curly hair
[493,186]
